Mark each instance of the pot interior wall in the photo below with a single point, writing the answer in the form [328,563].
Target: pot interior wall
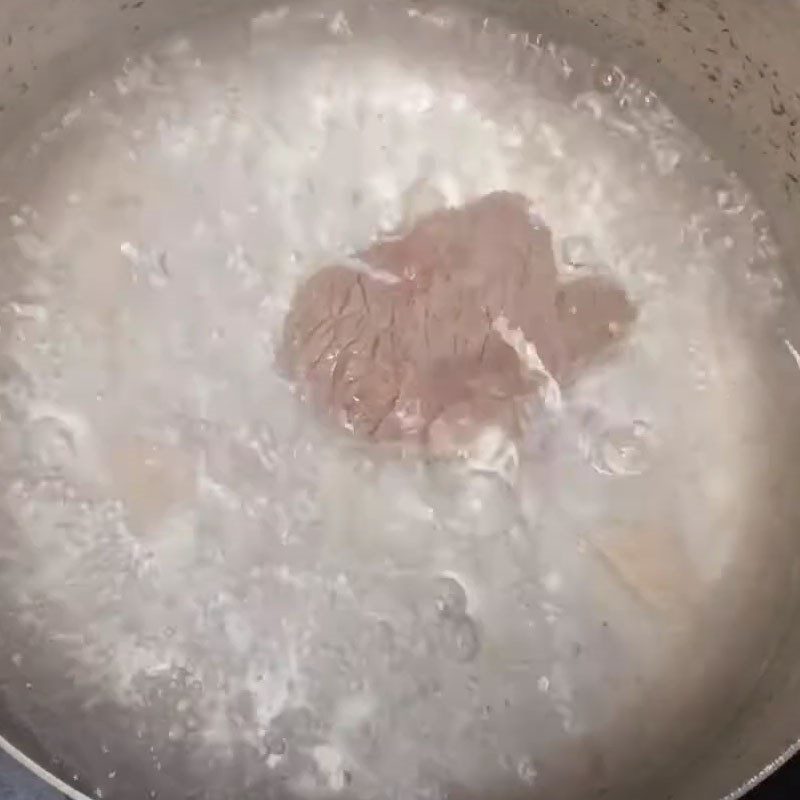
[731,70]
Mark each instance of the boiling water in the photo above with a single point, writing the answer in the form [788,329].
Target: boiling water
[196,554]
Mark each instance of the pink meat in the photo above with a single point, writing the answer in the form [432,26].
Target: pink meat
[413,338]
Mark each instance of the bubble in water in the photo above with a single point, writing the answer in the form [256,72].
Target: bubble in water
[634,95]
[667,160]
[459,638]
[263,443]
[33,247]
[766,248]
[339,25]
[275,743]
[329,763]
[52,442]
[579,251]
[526,771]
[451,599]
[591,102]
[29,312]
[175,733]
[608,79]
[484,506]
[269,19]
[151,267]
[494,452]
[728,201]
[15,384]
[622,451]
[429,789]
[293,727]
[650,100]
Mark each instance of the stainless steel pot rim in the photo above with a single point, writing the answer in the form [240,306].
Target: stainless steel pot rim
[41,772]
[769,770]
[74,794]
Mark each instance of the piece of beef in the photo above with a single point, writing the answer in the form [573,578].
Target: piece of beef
[454,322]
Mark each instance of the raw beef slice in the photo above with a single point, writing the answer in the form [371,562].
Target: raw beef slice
[450,325]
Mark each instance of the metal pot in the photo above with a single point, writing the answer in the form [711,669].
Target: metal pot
[731,70]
